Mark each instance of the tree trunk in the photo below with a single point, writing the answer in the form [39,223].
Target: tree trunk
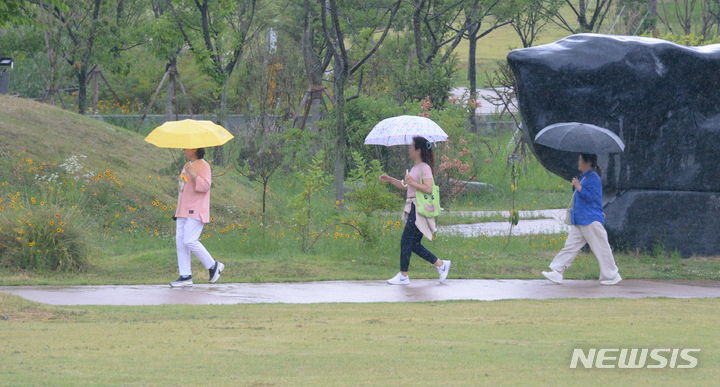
[582,20]
[417,33]
[170,98]
[96,89]
[472,76]
[340,141]
[313,69]
[264,196]
[221,117]
[652,9]
[316,113]
[82,89]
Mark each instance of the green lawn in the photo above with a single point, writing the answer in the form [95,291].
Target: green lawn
[451,343]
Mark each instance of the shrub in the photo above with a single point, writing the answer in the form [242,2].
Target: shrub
[314,180]
[259,159]
[434,82]
[41,239]
[361,115]
[367,196]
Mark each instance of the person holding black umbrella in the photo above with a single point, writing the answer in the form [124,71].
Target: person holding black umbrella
[586,221]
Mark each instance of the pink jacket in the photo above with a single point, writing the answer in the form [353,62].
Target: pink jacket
[194,196]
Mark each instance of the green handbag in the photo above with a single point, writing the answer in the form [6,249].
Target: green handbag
[428,205]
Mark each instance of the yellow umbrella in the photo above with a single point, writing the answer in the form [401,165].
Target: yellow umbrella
[188,134]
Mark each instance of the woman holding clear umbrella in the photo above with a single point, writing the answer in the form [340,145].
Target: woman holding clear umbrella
[419,178]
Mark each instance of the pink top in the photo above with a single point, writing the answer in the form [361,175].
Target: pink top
[416,172]
[194,196]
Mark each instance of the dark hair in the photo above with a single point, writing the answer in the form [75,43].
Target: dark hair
[200,153]
[592,159]
[426,150]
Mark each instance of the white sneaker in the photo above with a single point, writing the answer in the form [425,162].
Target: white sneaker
[182,282]
[443,270]
[399,279]
[553,276]
[612,281]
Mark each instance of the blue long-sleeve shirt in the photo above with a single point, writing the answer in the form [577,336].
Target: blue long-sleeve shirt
[587,203]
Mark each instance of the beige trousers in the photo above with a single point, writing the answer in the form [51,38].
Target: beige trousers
[595,235]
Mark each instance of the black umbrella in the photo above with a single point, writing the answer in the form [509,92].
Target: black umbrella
[581,138]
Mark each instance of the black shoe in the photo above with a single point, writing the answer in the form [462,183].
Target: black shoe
[182,281]
[214,272]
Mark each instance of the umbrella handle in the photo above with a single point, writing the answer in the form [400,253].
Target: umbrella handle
[404,184]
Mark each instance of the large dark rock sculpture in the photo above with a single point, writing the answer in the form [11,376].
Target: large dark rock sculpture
[663,100]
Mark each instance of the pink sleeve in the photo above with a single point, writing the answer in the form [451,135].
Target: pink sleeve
[203,180]
[426,173]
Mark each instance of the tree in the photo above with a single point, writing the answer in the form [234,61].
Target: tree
[333,26]
[306,29]
[13,12]
[433,26]
[589,15]
[81,24]
[653,15]
[166,43]
[714,10]
[479,12]
[261,157]
[86,33]
[530,18]
[217,33]
[685,14]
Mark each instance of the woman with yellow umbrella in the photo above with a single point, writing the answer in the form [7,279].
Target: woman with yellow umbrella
[193,208]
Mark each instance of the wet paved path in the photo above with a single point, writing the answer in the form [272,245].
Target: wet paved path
[554,223]
[358,291]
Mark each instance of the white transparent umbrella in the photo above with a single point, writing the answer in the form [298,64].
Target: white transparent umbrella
[400,130]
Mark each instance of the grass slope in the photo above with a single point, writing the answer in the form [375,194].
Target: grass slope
[47,133]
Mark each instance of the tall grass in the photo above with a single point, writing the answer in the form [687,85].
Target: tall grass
[42,239]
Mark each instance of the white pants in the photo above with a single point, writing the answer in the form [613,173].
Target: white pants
[595,235]
[187,235]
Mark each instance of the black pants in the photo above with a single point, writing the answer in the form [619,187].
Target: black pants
[410,243]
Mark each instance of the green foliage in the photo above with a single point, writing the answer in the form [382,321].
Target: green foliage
[259,159]
[433,81]
[270,81]
[304,212]
[10,11]
[368,193]
[361,115]
[300,146]
[689,40]
[367,196]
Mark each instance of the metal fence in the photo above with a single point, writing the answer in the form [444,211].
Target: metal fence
[239,124]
